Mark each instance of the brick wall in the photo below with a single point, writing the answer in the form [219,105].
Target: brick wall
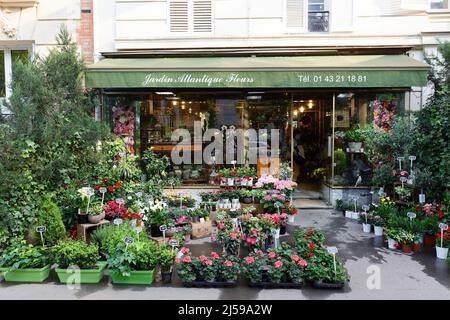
[85,32]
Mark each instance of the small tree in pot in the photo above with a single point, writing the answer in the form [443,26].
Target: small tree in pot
[166,258]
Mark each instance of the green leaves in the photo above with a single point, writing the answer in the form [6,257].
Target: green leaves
[20,255]
[75,253]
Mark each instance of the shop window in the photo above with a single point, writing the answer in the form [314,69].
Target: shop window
[318,16]
[439,4]
[190,16]
[6,68]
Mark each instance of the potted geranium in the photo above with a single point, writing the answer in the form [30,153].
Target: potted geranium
[378,223]
[392,237]
[291,212]
[166,258]
[228,268]
[229,175]
[253,267]
[77,254]
[365,219]
[206,269]
[22,262]
[133,263]
[442,243]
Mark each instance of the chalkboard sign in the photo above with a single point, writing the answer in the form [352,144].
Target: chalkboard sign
[129,240]
[411,215]
[163,228]
[174,243]
[332,250]
[41,229]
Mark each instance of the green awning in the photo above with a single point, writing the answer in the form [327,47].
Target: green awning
[363,71]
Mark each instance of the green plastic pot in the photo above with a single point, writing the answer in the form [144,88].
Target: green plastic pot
[28,275]
[145,277]
[86,275]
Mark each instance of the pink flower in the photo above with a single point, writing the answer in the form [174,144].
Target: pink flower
[249,260]
[233,236]
[271,255]
[228,263]
[202,258]
[303,263]
[295,258]
[177,260]
[215,255]
[278,264]
[208,262]
[185,250]
[404,173]
[187,259]
[261,253]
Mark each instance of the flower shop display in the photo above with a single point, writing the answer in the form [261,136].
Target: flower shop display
[22,262]
[166,259]
[77,257]
[97,213]
[325,271]
[366,220]
[443,241]
[124,122]
[384,112]
[133,263]
[207,271]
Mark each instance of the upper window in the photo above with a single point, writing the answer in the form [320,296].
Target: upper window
[439,4]
[190,16]
[318,16]
[8,59]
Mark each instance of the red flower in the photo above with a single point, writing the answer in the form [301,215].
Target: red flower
[187,259]
[311,231]
[441,214]
[418,208]
[104,180]
[306,237]
[294,211]
[234,172]
[110,188]
[311,245]
[310,254]
[97,188]
[118,184]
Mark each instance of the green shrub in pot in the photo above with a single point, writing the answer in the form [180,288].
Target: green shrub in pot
[321,268]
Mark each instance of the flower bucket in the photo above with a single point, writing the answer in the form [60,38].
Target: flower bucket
[392,244]
[406,248]
[367,228]
[291,218]
[85,275]
[230,182]
[145,277]
[348,214]
[378,231]
[441,253]
[28,275]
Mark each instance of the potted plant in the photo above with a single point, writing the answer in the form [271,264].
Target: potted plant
[166,258]
[134,263]
[247,174]
[365,219]
[291,212]
[97,213]
[253,268]
[22,262]
[403,192]
[392,237]
[187,231]
[86,194]
[378,223]
[229,175]
[340,206]
[406,240]
[442,244]
[72,254]
[321,271]
[228,268]
[354,138]
[186,266]
[247,196]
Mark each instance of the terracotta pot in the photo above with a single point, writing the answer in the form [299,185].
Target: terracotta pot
[429,240]
[416,247]
[406,248]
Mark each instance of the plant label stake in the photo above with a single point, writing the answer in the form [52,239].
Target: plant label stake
[355,201]
[118,221]
[138,230]
[41,230]
[277,205]
[403,180]
[422,198]
[180,195]
[163,229]
[333,251]
[411,216]
[400,159]
[276,237]
[411,159]
[103,191]
[365,208]
[174,243]
[443,227]
[128,241]
[120,202]
[90,192]
[233,162]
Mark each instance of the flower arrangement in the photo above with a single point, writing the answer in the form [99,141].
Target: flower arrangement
[307,241]
[383,114]
[228,235]
[124,123]
[113,188]
[113,211]
[273,202]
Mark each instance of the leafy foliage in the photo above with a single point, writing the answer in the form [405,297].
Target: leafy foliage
[75,253]
[140,256]
[20,255]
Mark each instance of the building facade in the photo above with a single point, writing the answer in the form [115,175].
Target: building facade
[311,69]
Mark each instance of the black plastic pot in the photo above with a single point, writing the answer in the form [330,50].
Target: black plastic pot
[320,284]
[166,277]
[209,284]
[82,218]
[257,200]
[247,200]
[272,285]
[154,231]
[282,230]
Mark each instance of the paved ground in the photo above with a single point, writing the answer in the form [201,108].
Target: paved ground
[402,276]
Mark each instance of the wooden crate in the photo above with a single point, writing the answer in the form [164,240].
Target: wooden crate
[84,230]
[201,230]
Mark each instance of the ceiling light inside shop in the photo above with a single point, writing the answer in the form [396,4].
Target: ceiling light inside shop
[345,95]
[175,102]
[165,93]
[254,97]
[295,113]
[302,109]
[310,105]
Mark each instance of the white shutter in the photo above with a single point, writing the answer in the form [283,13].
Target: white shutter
[202,15]
[295,14]
[179,16]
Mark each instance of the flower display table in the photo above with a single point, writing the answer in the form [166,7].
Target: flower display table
[84,230]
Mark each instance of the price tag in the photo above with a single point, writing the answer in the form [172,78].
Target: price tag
[400,158]
[412,158]
[41,229]
[163,228]
[443,226]
[118,221]
[120,201]
[365,208]
[332,250]
[411,215]
[90,192]
[174,243]
[103,190]
[129,240]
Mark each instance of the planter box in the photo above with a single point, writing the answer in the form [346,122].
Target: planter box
[28,275]
[136,277]
[272,285]
[319,284]
[86,275]
[206,284]
[201,230]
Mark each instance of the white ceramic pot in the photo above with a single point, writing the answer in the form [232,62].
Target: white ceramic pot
[96,219]
[441,253]
[250,182]
[378,231]
[230,182]
[392,244]
[367,228]
[291,218]
[244,182]
[235,200]
[355,146]
[355,215]
[348,214]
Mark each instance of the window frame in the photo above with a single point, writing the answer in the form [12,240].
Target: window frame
[190,21]
[438,10]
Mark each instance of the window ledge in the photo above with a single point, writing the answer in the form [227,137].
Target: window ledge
[438,11]
[17,3]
